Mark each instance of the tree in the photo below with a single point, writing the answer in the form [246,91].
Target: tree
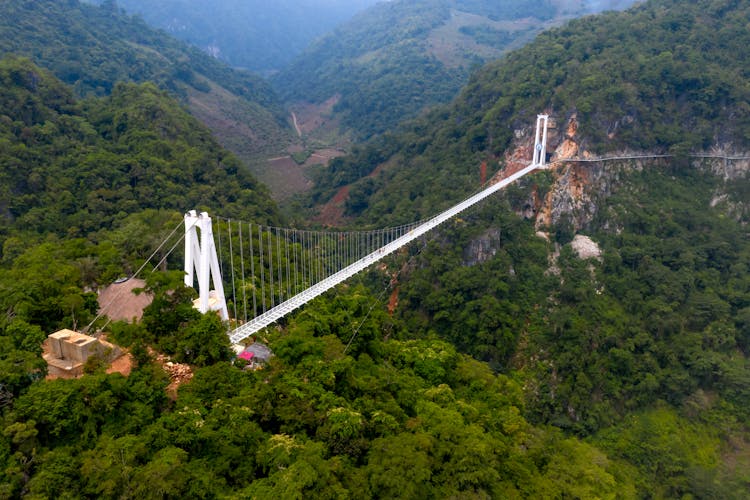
[204,342]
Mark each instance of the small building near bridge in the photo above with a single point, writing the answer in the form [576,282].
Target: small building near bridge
[66,352]
[256,355]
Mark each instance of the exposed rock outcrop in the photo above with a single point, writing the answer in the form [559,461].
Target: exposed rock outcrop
[482,249]
[585,247]
[580,190]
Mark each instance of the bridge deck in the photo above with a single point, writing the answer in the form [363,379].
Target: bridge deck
[281,310]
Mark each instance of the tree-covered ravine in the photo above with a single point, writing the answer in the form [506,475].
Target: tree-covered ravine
[492,359]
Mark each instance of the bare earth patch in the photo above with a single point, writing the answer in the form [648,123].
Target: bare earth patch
[332,213]
[119,302]
[286,178]
[585,247]
[179,373]
[311,117]
[122,365]
[455,49]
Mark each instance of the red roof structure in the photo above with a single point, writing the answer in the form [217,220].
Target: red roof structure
[246,355]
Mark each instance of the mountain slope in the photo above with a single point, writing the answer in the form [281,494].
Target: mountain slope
[92,48]
[620,343]
[73,168]
[260,36]
[633,80]
[89,190]
[399,57]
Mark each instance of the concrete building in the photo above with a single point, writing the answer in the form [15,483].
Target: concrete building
[67,351]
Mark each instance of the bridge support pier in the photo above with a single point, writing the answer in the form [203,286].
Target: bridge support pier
[540,142]
[201,259]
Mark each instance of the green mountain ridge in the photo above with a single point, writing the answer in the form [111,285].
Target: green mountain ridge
[399,58]
[92,48]
[257,35]
[72,167]
[634,80]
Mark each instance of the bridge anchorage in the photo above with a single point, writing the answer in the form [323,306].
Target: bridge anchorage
[290,267]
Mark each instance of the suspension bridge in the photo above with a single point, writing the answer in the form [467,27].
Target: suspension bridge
[281,269]
[274,271]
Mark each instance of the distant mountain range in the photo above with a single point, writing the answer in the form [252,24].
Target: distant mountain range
[259,35]
[398,58]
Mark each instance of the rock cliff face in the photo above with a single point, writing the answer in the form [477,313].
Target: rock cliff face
[579,190]
[483,248]
[737,166]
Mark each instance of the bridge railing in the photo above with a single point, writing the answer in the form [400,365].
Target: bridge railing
[274,314]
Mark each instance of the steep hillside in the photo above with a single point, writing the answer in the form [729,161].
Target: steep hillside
[92,48]
[258,35]
[399,57]
[73,168]
[635,335]
[617,291]
[88,189]
[662,77]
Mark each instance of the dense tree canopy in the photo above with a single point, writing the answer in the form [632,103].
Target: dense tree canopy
[511,367]
[95,48]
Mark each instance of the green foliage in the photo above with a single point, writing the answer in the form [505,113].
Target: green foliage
[622,377]
[663,77]
[301,156]
[72,169]
[480,304]
[411,419]
[95,48]
[45,287]
[204,342]
[382,64]
[92,48]
[671,467]
[173,326]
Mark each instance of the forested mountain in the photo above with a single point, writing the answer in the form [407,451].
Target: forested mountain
[258,35]
[584,335]
[400,57]
[92,48]
[81,175]
[661,77]
[619,346]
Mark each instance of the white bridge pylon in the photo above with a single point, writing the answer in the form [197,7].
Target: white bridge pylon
[540,142]
[201,259]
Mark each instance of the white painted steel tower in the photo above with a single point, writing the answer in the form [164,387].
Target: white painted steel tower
[201,259]
[540,142]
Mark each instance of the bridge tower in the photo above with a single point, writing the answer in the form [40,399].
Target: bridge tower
[540,142]
[201,259]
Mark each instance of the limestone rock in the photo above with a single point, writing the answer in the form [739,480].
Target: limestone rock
[585,247]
